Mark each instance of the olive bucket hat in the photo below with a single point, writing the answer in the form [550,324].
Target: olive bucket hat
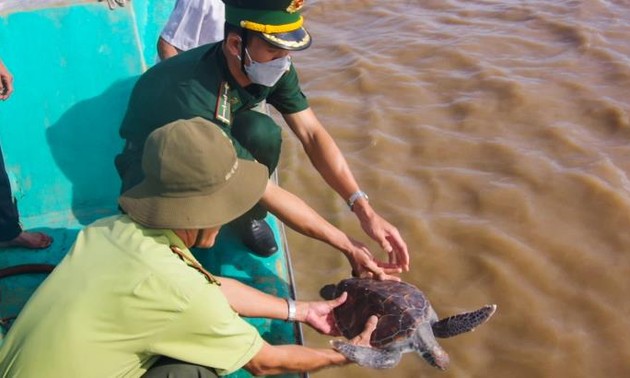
[279,22]
[193,179]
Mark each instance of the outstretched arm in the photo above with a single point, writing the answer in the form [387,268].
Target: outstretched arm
[250,302]
[296,214]
[280,359]
[328,160]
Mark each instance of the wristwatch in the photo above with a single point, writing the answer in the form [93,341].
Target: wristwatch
[292,311]
[356,196]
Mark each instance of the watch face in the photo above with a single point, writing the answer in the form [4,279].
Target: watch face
[355,196]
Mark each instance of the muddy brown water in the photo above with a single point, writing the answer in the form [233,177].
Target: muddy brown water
[496,136]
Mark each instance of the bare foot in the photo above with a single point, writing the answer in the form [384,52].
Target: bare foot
[30,240]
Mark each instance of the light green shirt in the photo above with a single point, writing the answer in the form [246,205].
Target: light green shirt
[119,300]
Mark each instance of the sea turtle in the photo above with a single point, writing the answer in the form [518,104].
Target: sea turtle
[407,322]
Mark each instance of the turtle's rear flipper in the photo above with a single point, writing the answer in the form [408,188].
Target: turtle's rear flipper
[367,357]
[461,323]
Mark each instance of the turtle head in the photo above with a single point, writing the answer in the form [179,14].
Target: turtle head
[328,292]
[437,357]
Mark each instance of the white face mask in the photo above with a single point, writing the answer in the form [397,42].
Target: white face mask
[267,73]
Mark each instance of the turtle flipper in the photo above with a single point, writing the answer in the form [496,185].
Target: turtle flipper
[367,357]
[461,323]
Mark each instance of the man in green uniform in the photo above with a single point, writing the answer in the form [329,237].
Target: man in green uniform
[223,82]
[130,300]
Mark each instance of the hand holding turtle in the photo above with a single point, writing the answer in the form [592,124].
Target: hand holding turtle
[319,315]
[361,340]
[408,322]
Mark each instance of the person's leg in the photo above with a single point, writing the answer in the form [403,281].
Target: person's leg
[167,367]
[260,135]
[256,136]
[9,218]
[11,233]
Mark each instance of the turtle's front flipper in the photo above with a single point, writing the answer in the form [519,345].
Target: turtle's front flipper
[461,323]
[367,357]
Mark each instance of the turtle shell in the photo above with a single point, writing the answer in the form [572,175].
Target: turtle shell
[400,307]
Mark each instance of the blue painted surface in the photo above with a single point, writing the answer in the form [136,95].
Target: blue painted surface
[74,67]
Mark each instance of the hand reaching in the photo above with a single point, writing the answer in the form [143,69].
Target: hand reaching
[366,266]
[387,236]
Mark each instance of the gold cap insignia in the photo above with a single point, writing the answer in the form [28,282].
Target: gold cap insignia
[295,6]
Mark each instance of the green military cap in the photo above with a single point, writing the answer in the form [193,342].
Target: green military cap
[278,21]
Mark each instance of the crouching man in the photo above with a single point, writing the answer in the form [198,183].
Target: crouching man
[130,300]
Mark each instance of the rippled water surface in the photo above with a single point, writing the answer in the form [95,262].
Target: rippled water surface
[496,136]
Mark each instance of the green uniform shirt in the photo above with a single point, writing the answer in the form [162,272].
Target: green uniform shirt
[119,300]
[192,84]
